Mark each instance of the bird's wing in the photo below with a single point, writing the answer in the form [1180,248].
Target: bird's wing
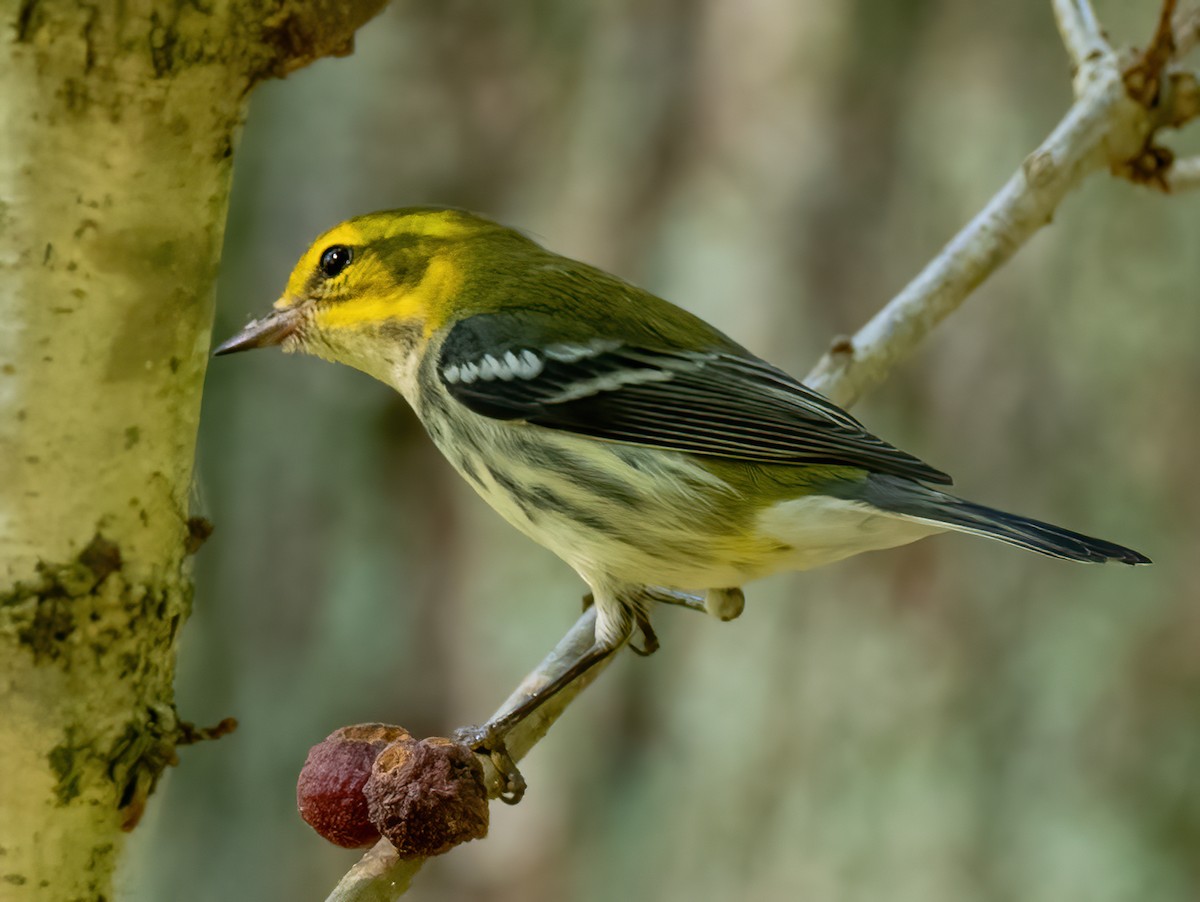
[722,402]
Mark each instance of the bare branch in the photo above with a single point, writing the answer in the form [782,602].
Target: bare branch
[1076,147]
[1186,27]
[1143,79]
[1183,175]
[1081,33]
[1112,124]
[379,876]
[1181,101]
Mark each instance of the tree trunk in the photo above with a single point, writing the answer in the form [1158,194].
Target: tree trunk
[117,123]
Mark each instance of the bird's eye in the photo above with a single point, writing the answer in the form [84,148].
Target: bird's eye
[334,259]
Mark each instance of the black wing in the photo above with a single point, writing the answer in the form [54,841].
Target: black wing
[725,403]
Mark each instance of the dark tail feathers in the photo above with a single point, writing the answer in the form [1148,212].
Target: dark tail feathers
[902,496]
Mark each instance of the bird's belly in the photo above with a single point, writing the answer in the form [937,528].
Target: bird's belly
[642,516]
[822,529]
[615,513]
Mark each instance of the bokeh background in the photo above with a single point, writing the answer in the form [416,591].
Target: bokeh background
[955,720]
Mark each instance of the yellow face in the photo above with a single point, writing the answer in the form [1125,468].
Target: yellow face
[367,289]
[399,267]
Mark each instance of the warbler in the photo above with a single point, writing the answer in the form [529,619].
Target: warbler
[638,443]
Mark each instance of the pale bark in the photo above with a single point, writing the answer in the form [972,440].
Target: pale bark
[117,123]
[1184,174]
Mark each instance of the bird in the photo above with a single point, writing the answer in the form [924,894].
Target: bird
[651,452]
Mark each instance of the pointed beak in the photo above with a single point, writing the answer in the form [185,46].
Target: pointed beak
[273,329]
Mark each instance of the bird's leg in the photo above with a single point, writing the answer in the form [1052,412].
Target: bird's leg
[673,597]
[489,738]
[724,604]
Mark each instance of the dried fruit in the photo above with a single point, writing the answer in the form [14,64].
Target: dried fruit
[427,797]
[329,791]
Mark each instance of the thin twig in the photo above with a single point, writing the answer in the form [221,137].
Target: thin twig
[1143,79]
[1183,175]
[379,876]
[1186,27]
[1076,147]
[1081,33]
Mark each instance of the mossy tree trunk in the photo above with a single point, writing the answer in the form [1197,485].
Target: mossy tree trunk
[117,127]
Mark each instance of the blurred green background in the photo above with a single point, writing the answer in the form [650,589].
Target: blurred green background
[955,720]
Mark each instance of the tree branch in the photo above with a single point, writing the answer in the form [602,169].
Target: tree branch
[1081,32]
[1105,128]
[1186,26]
[1024,205]
[1183,175]
[119,125]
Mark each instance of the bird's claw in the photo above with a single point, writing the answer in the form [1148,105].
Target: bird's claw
[487,740]
[649,639]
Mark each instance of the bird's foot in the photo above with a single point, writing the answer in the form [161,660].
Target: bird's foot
[649,644]
[486,739]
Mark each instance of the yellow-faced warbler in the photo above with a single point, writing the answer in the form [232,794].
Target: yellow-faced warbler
[635,441]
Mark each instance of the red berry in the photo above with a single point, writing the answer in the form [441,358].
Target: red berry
[329,791]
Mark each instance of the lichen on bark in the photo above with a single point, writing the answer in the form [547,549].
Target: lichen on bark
[118,123]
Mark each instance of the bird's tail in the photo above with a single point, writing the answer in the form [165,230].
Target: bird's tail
[918,502]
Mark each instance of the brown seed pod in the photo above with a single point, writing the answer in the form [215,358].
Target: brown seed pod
[329,791]
[427,797]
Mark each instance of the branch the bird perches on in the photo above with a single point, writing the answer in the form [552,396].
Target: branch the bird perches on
[1123,100]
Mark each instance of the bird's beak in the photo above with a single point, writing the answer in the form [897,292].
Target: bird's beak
[273,329]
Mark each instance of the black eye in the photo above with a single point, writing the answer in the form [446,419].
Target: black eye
[335,259]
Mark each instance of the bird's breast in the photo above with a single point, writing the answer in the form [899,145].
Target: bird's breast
[612,511]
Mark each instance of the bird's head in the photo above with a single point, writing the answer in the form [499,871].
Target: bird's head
[371,290]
